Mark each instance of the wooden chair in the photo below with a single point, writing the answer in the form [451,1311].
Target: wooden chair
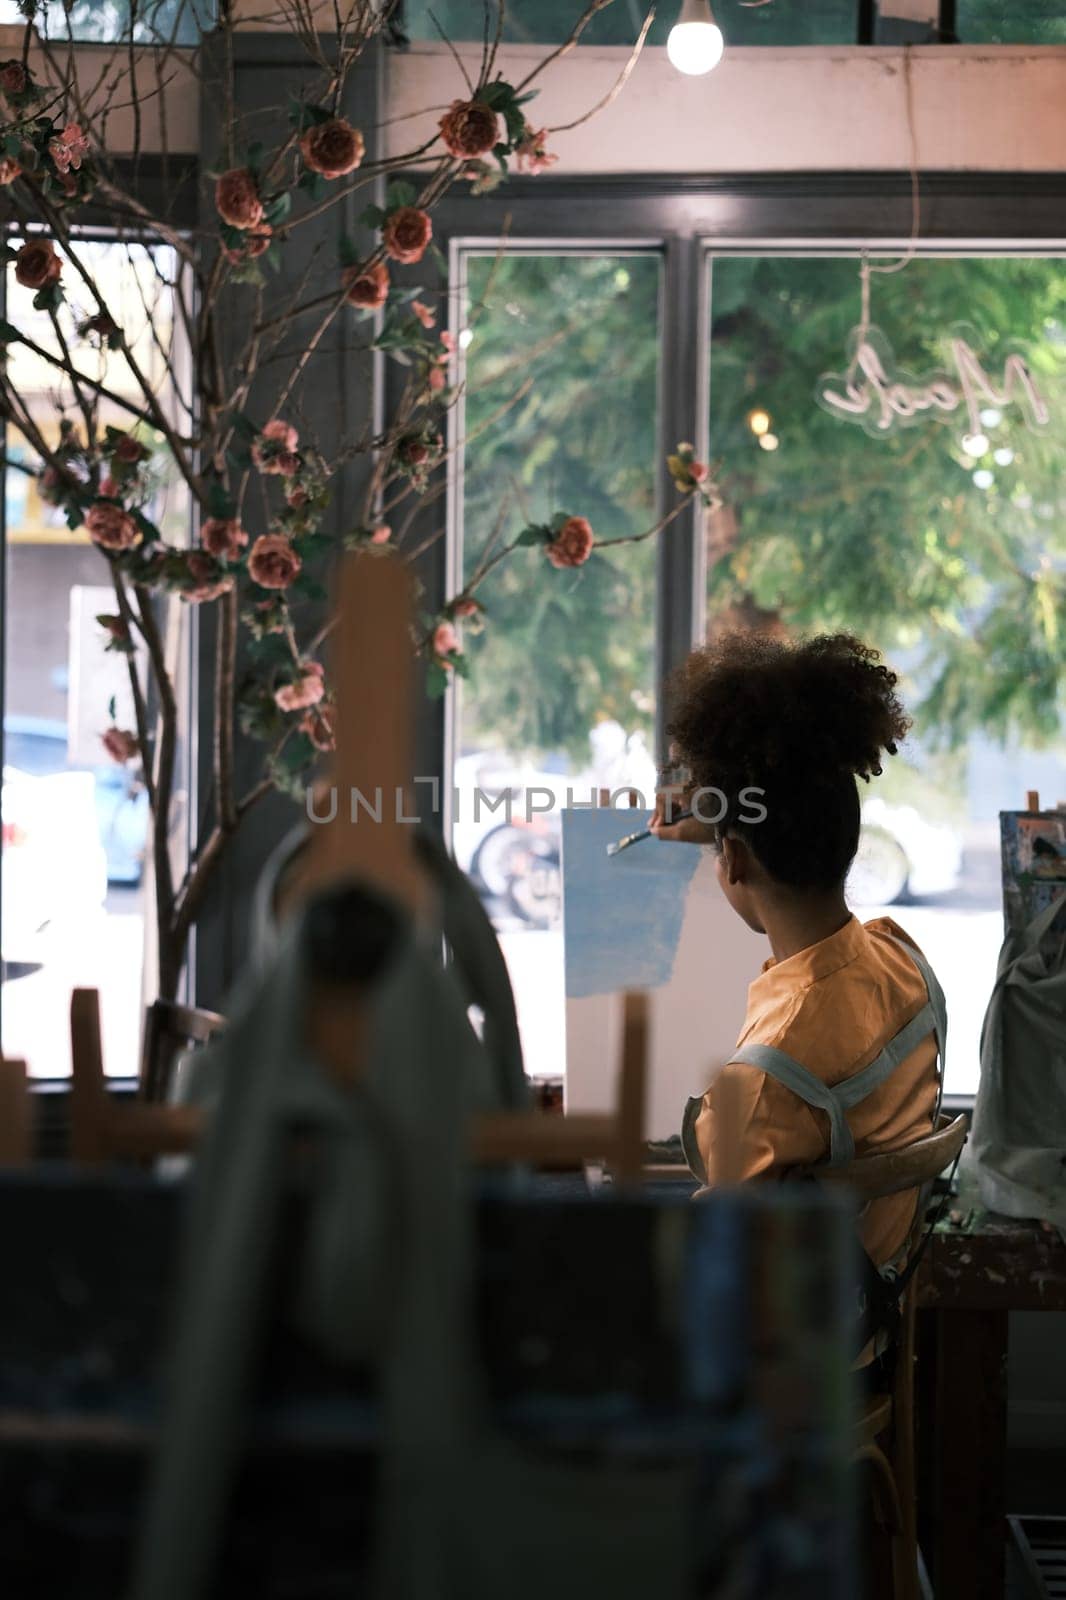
[885,1430]
[15,1133]
[170,1028]
[101,1129]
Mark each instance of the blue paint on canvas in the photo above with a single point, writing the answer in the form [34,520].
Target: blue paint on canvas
[622,915]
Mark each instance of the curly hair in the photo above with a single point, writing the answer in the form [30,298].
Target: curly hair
[798,721]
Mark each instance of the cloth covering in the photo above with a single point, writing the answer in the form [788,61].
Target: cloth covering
[1018,1141]
[463,1514]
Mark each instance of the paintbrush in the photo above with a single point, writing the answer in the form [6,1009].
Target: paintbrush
[642,833]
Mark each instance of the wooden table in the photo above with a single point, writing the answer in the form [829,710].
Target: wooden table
[976,1270]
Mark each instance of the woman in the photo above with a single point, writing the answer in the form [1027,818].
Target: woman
[772,736]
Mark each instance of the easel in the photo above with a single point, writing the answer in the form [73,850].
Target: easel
[373,672]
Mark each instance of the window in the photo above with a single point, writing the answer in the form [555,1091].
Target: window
[561,372]
[940,543]
[1010,22]
[548,21]
[106,21]
[75,824]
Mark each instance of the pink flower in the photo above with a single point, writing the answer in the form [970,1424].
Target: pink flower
[37,265]
[14,79]
[111,527]
[306,691]
[254,244]
[381,534]
[223,537]
[9,169]
[128,450]
[368,289]
[406,234]
[237,198]
[120,744]
[572,545]
[108,487]
[275,449]
[532,155]
[698,470]
[296,497]
[469,128]
[437,379]
[445,643]
[447,339]
[333,148]
[426,317]
[465,608]
[318,726]
[69,148]
[272,561]
[208,579]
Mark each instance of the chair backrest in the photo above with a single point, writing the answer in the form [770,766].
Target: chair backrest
[890,1172]
[168,1029]
[15,1136]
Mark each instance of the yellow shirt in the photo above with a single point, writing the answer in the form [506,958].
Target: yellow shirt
[833,1007]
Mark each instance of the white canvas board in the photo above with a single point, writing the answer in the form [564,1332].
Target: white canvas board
[652,918]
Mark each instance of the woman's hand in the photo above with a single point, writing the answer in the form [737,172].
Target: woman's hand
[670,803]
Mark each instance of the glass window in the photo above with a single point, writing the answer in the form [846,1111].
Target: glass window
[75,824]
[1010,22]
[560,414]
[550,21]
[104,21]
[942,543]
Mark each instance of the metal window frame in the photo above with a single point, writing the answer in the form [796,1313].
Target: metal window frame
[688,218]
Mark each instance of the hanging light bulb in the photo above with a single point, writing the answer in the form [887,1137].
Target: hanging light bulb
[695,43]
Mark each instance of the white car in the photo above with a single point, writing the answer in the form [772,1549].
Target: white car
[901,854]
[54,866]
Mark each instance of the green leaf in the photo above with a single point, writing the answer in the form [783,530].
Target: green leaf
[347,251]
[436,680]
[497,95]
[371,217]
[254,158]
[111,709]
[148,529]
[276,210]
[242,425]
[8,332]
[401,194]
[534,534]
[219,502]
[313,182]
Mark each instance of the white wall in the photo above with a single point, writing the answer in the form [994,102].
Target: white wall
[766,110]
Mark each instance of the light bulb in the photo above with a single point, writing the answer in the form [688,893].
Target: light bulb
[695,42]
[1003,457]
[983,478]
[975,444]
[759,421]
[769,441]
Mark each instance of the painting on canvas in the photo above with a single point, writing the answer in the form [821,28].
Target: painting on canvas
[651,918]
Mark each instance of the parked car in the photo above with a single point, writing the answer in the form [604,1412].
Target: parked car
[901,856]
[514,859]
[67,833]
[37,747]
[54,866]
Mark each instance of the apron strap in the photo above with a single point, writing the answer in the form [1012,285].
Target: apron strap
[839,1098]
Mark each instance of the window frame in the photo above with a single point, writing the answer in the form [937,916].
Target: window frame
[691,218]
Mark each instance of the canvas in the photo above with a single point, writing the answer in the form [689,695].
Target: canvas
[652,918]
